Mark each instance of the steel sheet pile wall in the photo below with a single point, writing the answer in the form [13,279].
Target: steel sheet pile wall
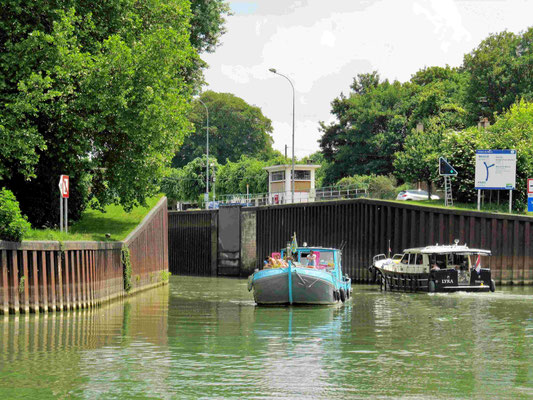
[148,245]
[367,226]
[192,242]
[49,276]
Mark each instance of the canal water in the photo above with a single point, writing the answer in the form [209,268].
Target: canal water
[205,338]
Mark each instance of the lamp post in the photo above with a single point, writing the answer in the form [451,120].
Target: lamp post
[273,70]
[207,163]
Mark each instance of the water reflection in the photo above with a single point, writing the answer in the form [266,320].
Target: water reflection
[66,354]
[205,338]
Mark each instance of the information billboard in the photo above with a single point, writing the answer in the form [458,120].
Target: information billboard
[495,169]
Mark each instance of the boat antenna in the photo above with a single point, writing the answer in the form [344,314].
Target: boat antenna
[343,243]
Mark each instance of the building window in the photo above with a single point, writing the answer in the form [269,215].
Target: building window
[277,176]
[302,175]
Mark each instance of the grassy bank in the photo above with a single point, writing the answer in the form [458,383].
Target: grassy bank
[94,225]
[502,208]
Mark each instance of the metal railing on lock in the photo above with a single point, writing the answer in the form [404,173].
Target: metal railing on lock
[274,198]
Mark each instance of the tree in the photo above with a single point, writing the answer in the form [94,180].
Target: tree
[235,128]
[374,121]
[418,162]
[100,93]
[189,183]
[207,23]
[233,177]
[511,130]
[500,73]
[371,127]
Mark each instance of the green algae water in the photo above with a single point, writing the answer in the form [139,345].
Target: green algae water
[205,338]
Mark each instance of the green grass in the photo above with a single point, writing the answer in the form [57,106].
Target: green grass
[94,224]
[502,208]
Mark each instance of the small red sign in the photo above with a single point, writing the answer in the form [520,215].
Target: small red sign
[530,186]
[64,186]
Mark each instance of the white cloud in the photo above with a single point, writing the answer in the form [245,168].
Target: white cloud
[322,45]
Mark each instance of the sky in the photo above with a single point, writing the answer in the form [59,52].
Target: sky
[321,45]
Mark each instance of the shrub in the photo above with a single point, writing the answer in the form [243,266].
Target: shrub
[382,187]
[13,225]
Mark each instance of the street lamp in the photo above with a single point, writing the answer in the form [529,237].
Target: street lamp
[207,163]
[273,70]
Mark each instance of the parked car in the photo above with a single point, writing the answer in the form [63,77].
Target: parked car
[415,195]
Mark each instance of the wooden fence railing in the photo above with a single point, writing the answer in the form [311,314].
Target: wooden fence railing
[40,276]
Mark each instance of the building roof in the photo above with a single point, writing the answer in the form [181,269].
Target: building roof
[299,167]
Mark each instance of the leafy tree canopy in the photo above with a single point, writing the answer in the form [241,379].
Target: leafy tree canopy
[98,91]
[371,125]
[233,177]
[500,73]
[235,129]
[374,121]
[511,130]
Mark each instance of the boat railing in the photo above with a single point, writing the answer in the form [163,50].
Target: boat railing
[379,257]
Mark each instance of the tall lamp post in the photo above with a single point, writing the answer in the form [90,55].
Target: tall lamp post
[207,163]
[273,70]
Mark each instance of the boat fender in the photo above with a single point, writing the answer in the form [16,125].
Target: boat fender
[431,287]
[347,294]
[250,282]
[335,295]
[374,274]
[342,295]
[492,285]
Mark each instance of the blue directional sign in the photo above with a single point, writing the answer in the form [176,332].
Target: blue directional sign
[495,169]
[530,204]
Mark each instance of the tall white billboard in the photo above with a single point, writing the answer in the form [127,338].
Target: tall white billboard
[495,169]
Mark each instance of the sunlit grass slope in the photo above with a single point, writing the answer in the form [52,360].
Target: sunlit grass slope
[94,225]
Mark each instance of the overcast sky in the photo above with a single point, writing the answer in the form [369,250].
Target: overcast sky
[323,44]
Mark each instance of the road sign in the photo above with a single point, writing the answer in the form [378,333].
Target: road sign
[530,186]
[64,186]
[445,169]
[530,204]
[495,169]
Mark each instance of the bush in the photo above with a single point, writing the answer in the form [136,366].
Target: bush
[13,225]
[360,181]
[382,187]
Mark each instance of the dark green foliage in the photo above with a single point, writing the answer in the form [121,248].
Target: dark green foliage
[98,91]
[207,23]
[372,124]
[382,187]
[189,182]
[235,129]
[376,128]
[511,130]
[501,72]
[233,177]
[377,117]
[13,224]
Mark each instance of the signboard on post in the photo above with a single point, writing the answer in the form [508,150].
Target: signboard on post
[64,186]
[495,169]
[445,169]
[64,192]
